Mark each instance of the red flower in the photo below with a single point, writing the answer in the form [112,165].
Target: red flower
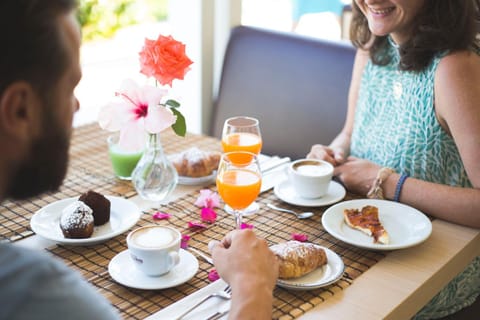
[299,237]
[208,215]
[196,225]
[161,216]
[184,241]
[246,226]
[213,275]
[164,59]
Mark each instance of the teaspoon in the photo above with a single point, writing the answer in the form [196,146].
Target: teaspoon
[303,215]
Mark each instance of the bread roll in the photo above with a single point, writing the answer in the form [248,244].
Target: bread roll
[298,258]
[195,163]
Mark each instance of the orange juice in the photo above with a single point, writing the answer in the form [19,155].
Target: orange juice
[242,141]
[239,187]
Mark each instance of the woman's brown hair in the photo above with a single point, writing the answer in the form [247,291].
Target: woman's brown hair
[441,25]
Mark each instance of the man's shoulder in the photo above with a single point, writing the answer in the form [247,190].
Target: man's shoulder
[15,257]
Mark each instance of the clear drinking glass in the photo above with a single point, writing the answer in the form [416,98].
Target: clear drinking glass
[123,162]
[242,134]
[238,181]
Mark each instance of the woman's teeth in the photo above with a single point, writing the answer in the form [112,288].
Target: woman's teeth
[382,11]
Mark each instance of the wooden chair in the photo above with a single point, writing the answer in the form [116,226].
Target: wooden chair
[296,86]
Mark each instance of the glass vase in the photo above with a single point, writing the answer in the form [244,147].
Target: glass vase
[154,177]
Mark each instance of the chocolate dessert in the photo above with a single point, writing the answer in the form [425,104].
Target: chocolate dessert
[99,204]
[76,221]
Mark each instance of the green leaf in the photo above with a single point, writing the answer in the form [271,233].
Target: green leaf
[172,103]
[180,126]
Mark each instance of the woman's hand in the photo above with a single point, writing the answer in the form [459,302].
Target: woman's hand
[357,175]
[334,155]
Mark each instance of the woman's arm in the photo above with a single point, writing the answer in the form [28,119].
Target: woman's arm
[457,104]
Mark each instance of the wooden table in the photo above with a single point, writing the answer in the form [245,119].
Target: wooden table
[394,288]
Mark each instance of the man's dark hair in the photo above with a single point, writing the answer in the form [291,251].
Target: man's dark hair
[32,48]
[441,25]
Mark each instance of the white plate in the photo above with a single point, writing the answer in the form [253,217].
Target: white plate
[285,191]
[124,214]
[405,225]
[123,270]
[321,277]
[189,181]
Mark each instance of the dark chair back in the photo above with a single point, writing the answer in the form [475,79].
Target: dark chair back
[296,86]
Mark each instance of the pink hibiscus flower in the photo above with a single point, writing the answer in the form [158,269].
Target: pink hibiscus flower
[135,112]
[208,199]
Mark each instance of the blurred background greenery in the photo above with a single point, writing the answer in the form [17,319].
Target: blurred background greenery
[100,19]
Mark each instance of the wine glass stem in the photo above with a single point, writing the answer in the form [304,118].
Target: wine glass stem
[238,218]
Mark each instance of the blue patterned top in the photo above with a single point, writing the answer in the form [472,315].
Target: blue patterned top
[395,124]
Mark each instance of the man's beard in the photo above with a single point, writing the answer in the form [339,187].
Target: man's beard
[45,166]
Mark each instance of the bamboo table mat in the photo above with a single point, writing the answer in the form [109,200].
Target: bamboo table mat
[89,169]
[274,226]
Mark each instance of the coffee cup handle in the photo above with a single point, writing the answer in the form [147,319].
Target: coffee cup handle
[175,257]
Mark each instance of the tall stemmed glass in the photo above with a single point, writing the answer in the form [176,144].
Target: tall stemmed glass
[242,134]
[238,181]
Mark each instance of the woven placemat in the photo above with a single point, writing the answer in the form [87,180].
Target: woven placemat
[89,169]
[275,227]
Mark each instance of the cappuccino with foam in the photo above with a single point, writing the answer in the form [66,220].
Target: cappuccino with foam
[154,237]
[154,249]
[310,177]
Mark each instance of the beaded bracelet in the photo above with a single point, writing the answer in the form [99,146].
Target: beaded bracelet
[399,187]
[376,192]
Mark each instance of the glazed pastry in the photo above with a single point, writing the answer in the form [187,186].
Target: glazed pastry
[298,258]
[196,163]
[76,221]
[99,205]
[367,221]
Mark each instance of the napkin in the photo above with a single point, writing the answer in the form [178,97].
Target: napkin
[273,172]
[203,311]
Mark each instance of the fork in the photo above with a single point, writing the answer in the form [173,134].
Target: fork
[201,254]
[222,294]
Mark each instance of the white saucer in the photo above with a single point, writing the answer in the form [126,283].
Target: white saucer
[285,191]
[123,271]
[321,277]
[124,214]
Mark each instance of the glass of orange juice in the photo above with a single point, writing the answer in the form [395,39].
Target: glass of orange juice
[239,182]
[242,133]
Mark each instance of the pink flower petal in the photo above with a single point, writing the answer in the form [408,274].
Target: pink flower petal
[196,225]
[159,118]
[213,275]
[184,241]
[246,226]
[299,237]
[161,216]
[208,199]
[208,215]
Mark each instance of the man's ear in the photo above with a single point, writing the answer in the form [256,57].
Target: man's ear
[19,110]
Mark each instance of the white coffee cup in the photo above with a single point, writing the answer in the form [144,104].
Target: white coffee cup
[154,249]
[310,177]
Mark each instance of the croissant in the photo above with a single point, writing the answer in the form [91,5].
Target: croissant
[297,258]
[196,163]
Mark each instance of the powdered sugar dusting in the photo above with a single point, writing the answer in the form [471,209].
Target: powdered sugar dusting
[77,215]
